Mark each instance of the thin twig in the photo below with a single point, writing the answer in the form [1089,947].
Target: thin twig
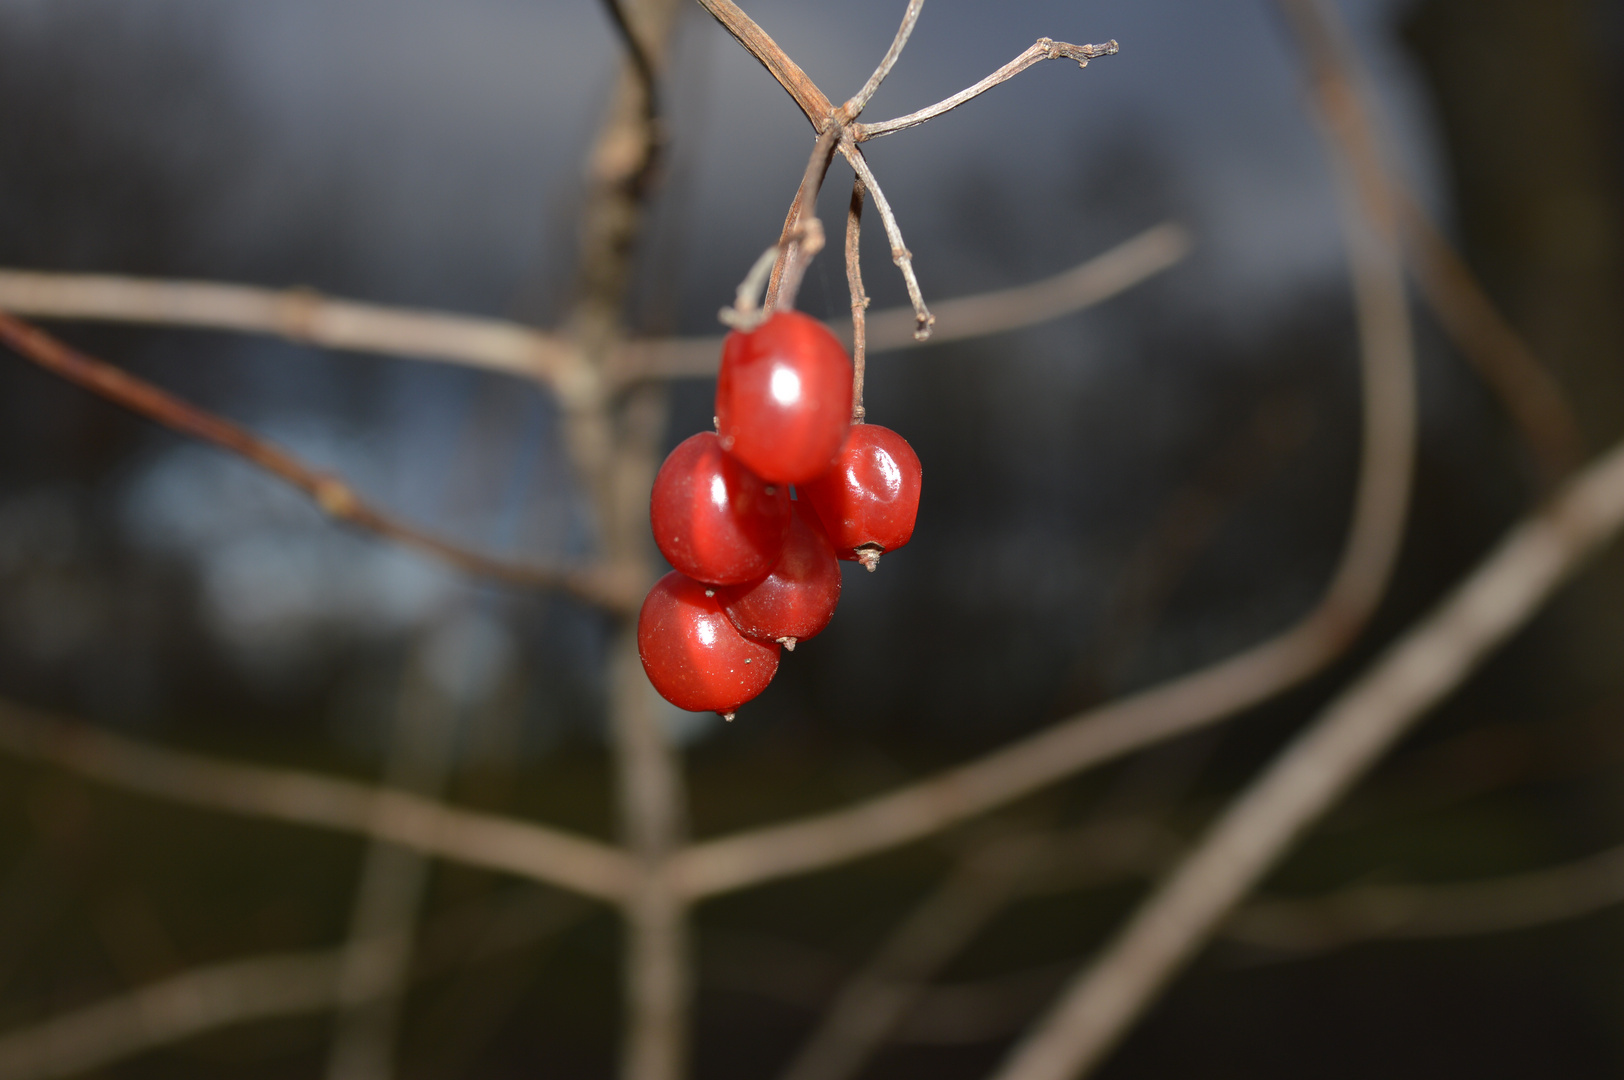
[536,852]
[813,102]
[859,299]
[612,591]
[1042,49]
[1089,283]
[923,319]
[1305,780]
[1457,909]
[169,1011]
[300,316]
[859,101]
[785,281]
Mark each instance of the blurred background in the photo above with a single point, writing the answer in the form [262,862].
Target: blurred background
[1111,498]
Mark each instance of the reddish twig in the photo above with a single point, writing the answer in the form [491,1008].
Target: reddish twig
[601,587]
[1042,49]
[859,299]
[813,102]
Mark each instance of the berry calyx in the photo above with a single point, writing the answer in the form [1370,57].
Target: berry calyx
[783,397]
[868,501]
[797,598]
[713,518]
[693,655]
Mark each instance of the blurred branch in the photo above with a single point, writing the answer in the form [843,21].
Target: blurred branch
[1089,283]
[600,586]
[169,1011]
[300,316]
[1462,909]
[1527,390]
[1042,49]
[377,957]
[301,798]
[1319,766]
[642,62]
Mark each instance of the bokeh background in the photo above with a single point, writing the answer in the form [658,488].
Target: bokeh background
[426,153]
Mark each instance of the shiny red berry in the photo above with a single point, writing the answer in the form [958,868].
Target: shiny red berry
[692,653]
[783,397]
[714,519]
[869,500]
[797,599]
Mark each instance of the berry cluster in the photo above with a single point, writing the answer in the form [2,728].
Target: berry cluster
[755,568]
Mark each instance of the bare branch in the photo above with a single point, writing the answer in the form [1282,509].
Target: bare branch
[813,102]
[859,101]
[1306,779]
[923,319]
[1457,909]
[859,299]
[169,1011]
[529,851]
[1042,49]
[299,315]
[599,586]
[792,254]
[642,61]
[1089,283]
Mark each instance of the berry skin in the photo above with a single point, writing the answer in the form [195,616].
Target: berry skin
[783,397]
[693,655]
[714,519]
[797,599]
[869,500]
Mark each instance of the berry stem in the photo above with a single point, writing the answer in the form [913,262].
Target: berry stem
[793,254]
[859,299]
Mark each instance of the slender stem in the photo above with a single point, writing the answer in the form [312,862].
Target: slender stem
[859,101]
[789,265]
[1042,49]
[859,299]
[612,591]
[900,255]
[1306,779]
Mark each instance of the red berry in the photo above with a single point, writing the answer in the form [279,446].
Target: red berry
[869,500]
[797,599]
[783,397]
[693,655]
[714,519]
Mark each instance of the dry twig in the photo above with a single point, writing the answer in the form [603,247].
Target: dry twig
[859,101]
[900,255]
[859,299]
[1042,49]
[601,586]
[1307,778]
[497,843]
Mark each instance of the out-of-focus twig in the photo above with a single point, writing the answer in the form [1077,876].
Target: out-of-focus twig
[1306,779]
[1091,282]
[1042,49]
[1457,909]
[597,585]
[377,958]
[169,1011]
[298,315]
[301,798]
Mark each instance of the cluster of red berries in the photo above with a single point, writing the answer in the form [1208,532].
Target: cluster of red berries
[756,569]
